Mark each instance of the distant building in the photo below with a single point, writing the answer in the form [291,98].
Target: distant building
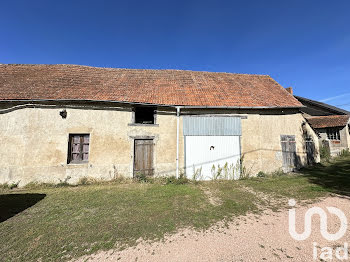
[316,108]
[330,122]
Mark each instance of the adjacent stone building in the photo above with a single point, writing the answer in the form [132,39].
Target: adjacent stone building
[330,123]
[334,130]
[66,122]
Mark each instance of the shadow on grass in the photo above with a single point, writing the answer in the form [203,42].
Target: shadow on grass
[334,177]
[12,204]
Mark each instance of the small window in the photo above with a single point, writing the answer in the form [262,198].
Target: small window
[333,133]
[144,115]
[78,148]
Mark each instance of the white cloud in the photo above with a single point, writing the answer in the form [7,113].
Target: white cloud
[334,97]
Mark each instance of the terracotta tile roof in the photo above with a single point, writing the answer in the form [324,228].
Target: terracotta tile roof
[162,87]
[328,121]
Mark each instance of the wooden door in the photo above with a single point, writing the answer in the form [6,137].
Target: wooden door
[288,152]
[143,157]
[310,151]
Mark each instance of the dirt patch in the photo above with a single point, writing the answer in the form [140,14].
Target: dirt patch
[213,200]
[266,200]
[249,238]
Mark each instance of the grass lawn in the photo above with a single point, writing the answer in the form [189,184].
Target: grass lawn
[62,223]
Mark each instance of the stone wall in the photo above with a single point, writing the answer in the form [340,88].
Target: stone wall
[261,140]
[34,144]
[34,141]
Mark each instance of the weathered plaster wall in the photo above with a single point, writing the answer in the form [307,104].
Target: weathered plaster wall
[34,144]
[261,142]
[348,135]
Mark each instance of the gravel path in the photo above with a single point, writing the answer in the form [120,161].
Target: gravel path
[250,238]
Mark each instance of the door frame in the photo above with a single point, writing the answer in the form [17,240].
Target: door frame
[133,138]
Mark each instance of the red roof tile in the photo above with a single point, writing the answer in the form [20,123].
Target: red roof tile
[328,121]
[162,87]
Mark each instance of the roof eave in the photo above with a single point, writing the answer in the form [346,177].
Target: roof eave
[323,105]
[149,104]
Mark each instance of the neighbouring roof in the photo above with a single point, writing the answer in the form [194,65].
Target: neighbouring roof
[330,108]
[328,121]
[159,87]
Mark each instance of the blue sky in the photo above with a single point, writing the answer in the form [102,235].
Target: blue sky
[304,44]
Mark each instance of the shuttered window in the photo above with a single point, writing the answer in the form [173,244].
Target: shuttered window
[78,148]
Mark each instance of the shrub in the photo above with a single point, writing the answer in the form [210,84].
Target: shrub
[143,178]
[64,183]
[344,153]
[197,175]
[90,180]
[9,186]
[170,180]
[277,173]
[177,181]
[261,174]
[244,172]
[13,185]
[325,154]
[38,185]
[4,186]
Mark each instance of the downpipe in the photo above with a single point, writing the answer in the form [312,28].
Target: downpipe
[177,139]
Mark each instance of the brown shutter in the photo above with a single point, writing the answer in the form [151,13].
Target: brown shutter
[78,148]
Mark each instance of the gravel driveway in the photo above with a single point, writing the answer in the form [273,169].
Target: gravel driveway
[250,238]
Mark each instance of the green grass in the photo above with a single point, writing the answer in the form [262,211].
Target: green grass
[57,224]
[73,221]
[310,184]
[333,176]
[289,186]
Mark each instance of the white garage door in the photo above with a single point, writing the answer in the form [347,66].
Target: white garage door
[209,157]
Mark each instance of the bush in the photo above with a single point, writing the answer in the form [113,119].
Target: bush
[13,185]
[276,173]
[36,185]
[9,186]
[177,181]
[64,183]
[197,175]
[261,174]
[143,178]
[325,154]
[244,172]
[90,181]
[84,181]
[344,153]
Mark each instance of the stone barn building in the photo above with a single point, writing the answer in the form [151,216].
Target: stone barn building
[66,122]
